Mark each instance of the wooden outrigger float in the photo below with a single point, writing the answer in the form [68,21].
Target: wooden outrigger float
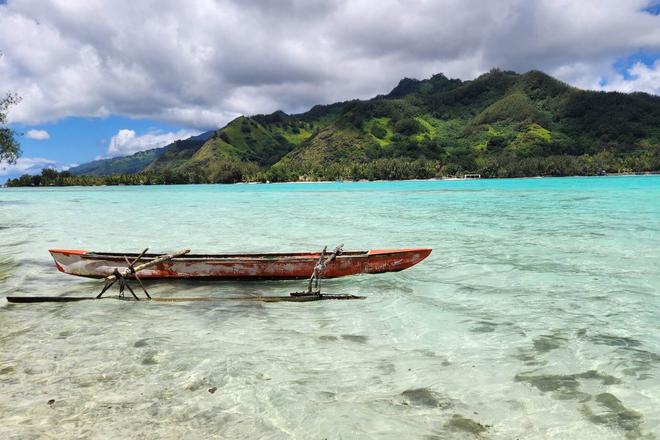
[116,268]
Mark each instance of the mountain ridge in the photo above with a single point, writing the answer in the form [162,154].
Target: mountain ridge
[501,123]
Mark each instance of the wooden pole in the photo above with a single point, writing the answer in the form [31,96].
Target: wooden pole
[317,274]
[127,272]
[259,298]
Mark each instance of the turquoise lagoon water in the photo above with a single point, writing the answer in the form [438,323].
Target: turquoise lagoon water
[537,316]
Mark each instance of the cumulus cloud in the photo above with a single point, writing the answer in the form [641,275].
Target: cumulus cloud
[128,142]
[202,62]
[32,166]
[38,135]
[26,165]
[643,78]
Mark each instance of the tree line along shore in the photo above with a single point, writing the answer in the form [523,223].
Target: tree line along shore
[383,169]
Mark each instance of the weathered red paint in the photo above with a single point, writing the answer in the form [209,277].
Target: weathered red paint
[68,251]
[241,266]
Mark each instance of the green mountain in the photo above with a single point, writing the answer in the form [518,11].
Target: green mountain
[119,165]
[139,161]
[499,124]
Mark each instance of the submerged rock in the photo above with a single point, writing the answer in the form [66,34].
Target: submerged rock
[615,341]
[565,386]
[605,379]
[641,362]
[545,343]
[464,424]
[149,358]
[425,397]
[549,382]
[355,338]
[64,334]
[484,327]
[615,415]
[328,338]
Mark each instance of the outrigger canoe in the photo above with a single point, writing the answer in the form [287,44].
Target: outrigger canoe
[266,266]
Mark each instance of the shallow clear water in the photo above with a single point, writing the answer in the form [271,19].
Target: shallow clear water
[536,316]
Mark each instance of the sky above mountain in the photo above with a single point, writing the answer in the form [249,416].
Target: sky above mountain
[102,79]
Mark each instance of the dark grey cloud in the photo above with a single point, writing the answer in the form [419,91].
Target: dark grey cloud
[202,62]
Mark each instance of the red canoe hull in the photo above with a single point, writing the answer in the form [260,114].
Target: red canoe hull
[240,266]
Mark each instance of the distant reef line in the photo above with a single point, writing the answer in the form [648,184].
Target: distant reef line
[501,124]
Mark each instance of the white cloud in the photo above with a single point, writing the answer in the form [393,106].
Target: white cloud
[26,165]
[32,166]
[67,167]
[643,78]
[127,142]
[38,135]
[639,77]
[201,62]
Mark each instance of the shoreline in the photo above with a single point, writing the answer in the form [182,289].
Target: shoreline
[298,182]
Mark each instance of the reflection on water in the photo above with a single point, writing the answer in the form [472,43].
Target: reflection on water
[536,316]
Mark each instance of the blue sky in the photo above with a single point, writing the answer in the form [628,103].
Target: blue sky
[79,140]
[142,74]
[76,140]
[623,64]
[653,8]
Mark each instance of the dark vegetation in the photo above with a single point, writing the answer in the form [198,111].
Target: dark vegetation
[502,124]
[9,147]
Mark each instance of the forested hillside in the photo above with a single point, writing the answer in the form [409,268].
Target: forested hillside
[501,124]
